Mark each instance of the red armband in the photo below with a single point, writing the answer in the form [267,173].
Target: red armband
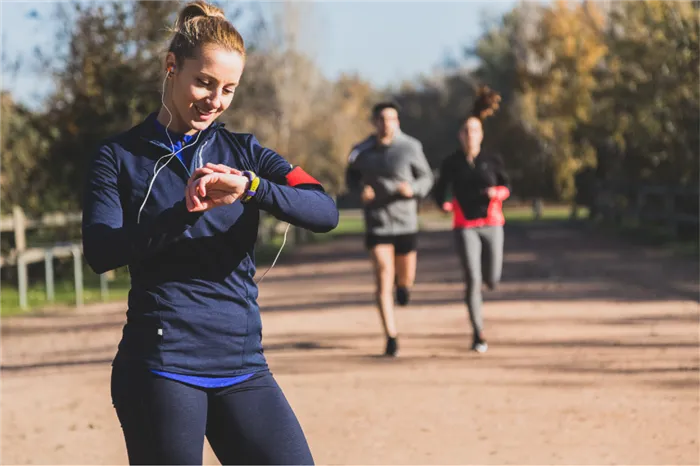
[298,176]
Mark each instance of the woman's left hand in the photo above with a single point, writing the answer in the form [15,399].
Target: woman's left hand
[214,185]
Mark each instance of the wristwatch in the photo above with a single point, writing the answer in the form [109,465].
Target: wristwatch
[253,188]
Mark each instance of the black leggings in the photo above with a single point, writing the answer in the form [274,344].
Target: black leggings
[165,421]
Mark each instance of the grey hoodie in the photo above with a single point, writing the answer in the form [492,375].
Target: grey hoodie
[383,168]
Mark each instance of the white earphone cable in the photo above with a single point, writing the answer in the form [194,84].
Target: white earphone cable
[172,154]
[284,241]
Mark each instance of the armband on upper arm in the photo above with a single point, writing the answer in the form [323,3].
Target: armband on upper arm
[297,176]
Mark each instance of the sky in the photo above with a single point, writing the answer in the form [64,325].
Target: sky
[384,42]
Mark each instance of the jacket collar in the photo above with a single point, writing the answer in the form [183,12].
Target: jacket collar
[150,131]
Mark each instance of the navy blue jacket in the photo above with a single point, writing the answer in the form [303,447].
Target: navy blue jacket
[192,306]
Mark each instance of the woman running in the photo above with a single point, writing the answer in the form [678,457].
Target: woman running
[177,198]
[478,185]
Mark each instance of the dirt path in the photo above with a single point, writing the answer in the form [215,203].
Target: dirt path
[593,360]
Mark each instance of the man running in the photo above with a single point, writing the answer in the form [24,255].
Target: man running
[391,172]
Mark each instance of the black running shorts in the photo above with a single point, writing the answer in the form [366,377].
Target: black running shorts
[403,244]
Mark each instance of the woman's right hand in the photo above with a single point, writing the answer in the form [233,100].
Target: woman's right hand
[447,207]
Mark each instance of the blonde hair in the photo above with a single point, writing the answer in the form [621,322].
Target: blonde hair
[200,23]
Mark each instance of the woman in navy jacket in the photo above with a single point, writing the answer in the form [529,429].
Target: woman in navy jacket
[177,199]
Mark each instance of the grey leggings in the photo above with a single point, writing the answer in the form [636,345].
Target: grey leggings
[469,244]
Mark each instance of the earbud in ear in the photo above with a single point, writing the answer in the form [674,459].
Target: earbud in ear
[171,70]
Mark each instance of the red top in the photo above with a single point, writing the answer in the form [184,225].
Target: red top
[494,215]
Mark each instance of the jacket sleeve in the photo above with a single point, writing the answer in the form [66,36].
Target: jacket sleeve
[108,241]
[353,176]
[442,187]
[290,194]
[422,172]
[502,180]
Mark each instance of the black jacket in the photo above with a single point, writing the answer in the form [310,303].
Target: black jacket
[469,182]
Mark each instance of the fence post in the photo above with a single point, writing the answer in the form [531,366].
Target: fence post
[22,280]
[19,222]
[78,273]
[48,268]
[104,287]
[537,208]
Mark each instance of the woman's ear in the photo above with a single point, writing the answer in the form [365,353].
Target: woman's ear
[170,64]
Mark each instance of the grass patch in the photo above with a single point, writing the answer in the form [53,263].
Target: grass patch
[650,235]
[515,214]
[349,224]
[549,213]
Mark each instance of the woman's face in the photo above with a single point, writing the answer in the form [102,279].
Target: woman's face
[203,87]
[471,134]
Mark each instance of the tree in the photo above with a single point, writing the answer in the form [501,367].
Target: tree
[502,51]
[342,120]
[108,68]
[556,85]
[22,148]
[108,71]
[648,110]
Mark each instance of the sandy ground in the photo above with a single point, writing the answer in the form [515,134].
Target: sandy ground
[593,359]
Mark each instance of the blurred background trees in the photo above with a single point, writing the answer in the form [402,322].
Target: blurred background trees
[605,86]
